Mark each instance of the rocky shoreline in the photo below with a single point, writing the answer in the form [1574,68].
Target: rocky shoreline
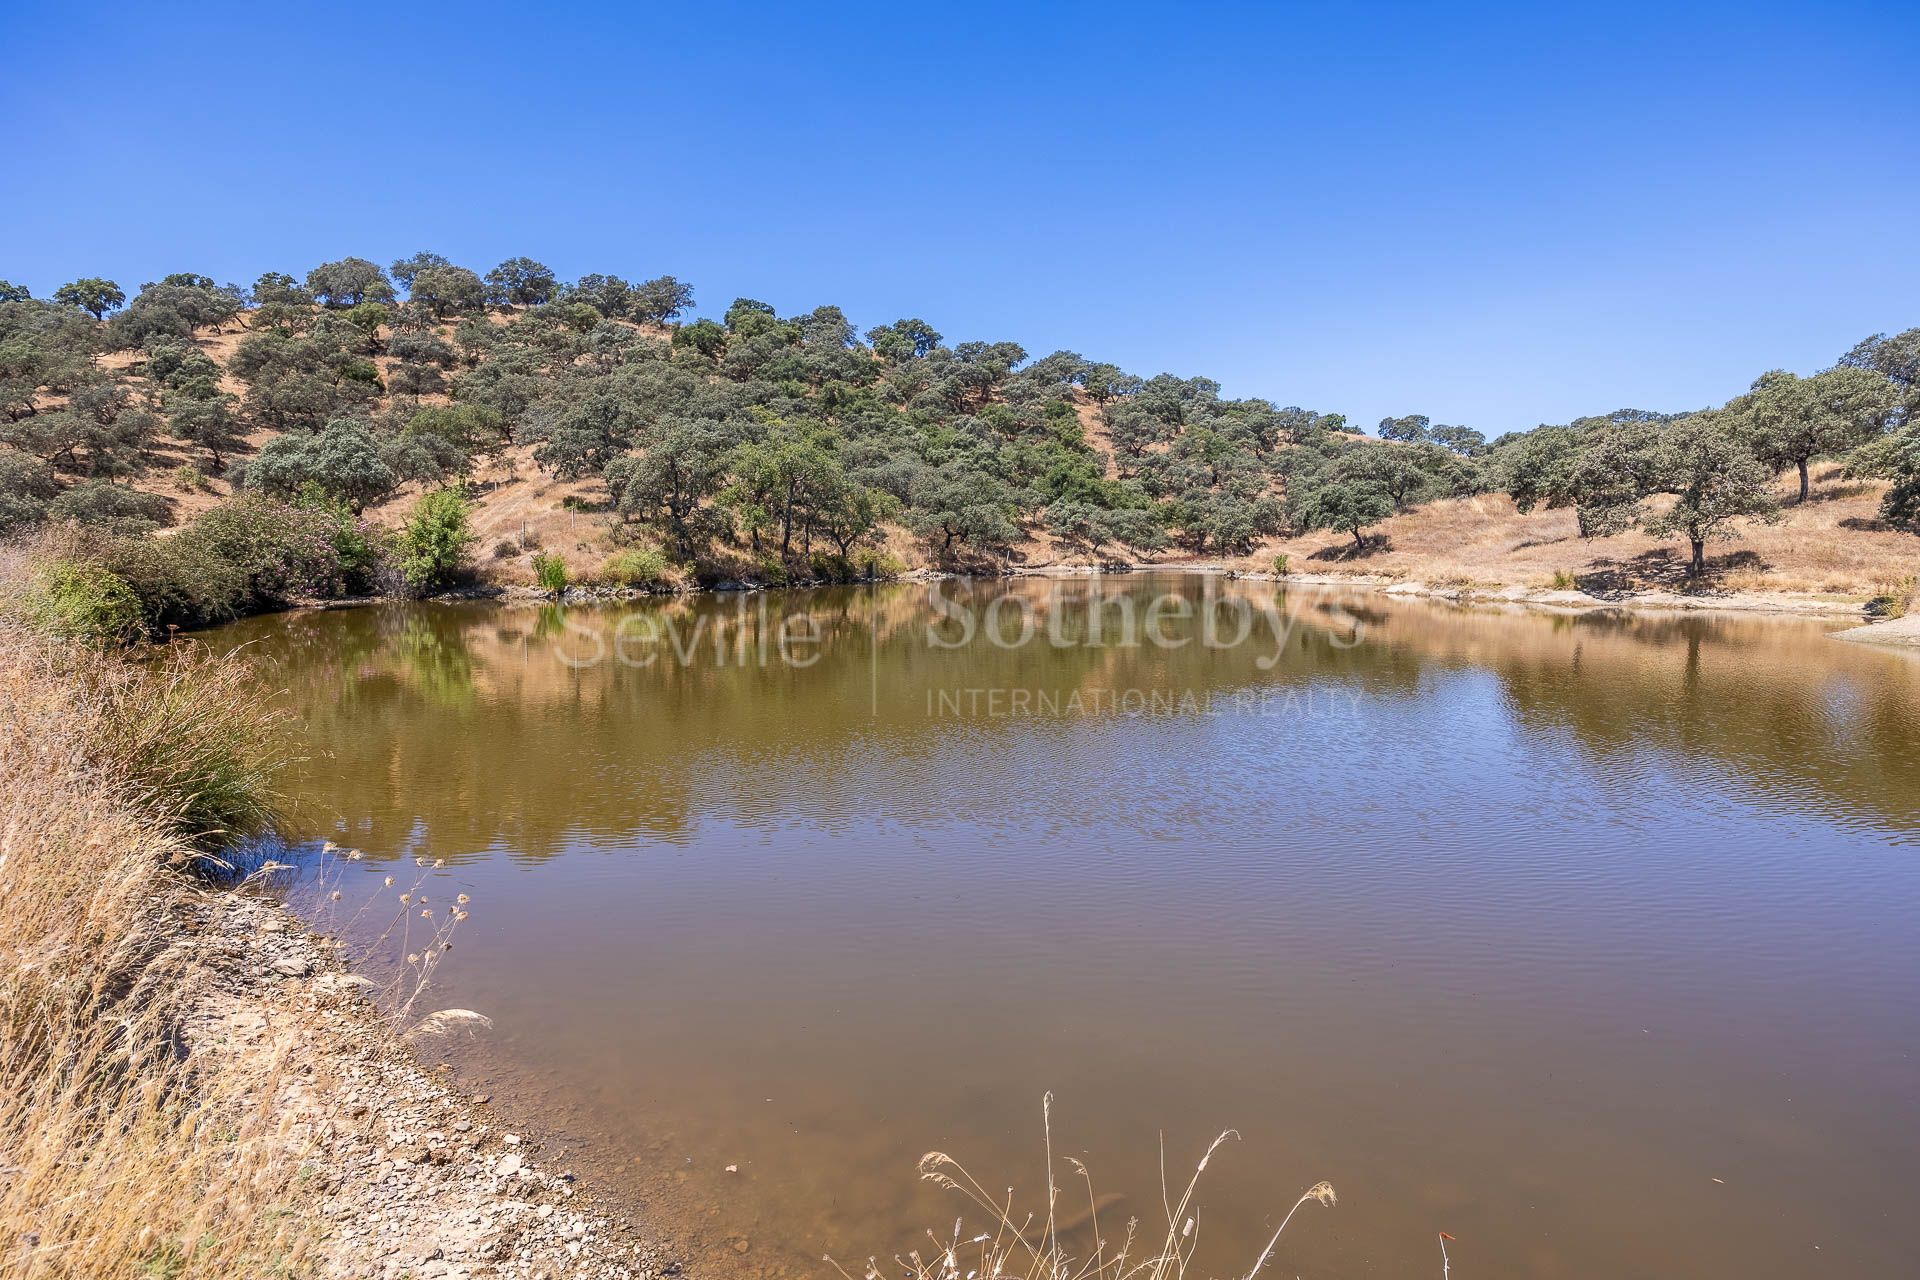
[1581,601]
[410,1177]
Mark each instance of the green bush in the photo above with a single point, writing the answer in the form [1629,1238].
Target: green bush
[285,551]
[181,581]
[360,545]
[190,479]
[862,566]
[26,486]
[871,564]
[637,567]
[1280,564]
[550,571]
[833,568]
[434,542]
[773,572]
[247,554]
[85,602]
[112,507]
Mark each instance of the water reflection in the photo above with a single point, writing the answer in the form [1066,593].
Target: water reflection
[541,724]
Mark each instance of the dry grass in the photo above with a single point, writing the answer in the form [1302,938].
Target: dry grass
[119,1155]
[1834,544]
[1029,1246]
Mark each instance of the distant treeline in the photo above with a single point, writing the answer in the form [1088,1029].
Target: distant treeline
[791,436]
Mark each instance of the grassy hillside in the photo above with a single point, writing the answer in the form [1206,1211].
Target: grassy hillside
[590,419]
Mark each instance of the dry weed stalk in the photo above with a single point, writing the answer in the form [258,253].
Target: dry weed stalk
[416,937]
[1030,1249]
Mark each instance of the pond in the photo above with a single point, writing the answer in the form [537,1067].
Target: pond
[1589,940]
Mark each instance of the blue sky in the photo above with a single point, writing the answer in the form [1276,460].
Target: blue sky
[1496,215]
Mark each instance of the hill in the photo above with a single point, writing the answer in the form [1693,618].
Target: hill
[589,418]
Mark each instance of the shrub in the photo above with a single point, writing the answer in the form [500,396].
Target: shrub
[637,567]
[77,600]
[505,549]
[364,551]
[550,572]
[26,486]
[1896,601]
[862,566]
[19,510]
[832,568]
[246,554]
[190,732]
[189,479]
[874,565]
[285,551]
[1563,580]
[181,581]
[360,545]
[435,539]
[773,571]
[1280,564]
[112,507]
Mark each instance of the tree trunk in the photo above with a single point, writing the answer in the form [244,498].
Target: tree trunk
[1803,479]
[1359,543]
[1699,556]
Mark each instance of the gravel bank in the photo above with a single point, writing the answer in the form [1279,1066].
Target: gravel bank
[410,1177]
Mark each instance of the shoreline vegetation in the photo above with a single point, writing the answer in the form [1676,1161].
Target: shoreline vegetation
[192,1084]
[189,452]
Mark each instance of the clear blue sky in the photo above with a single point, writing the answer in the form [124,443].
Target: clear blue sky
[1493,214]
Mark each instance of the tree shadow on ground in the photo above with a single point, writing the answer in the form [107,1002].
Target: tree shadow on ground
[1833,492]
[1373,545]
[1661,569]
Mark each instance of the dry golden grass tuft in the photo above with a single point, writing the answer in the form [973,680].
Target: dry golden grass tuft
[119,1155]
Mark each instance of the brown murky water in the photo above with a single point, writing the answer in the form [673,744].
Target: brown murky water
[1592,941]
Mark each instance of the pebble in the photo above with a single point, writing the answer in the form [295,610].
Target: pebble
[293,966]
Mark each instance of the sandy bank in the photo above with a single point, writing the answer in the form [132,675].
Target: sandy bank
[1782,602]
[1900,632]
